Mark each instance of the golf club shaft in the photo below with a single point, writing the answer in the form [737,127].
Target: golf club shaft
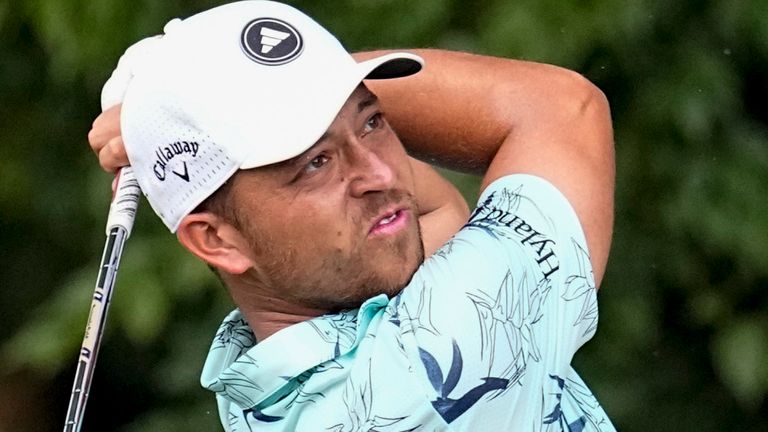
[121,215]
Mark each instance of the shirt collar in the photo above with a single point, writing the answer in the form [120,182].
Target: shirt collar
[248,373]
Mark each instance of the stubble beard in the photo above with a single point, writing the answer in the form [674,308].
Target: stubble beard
[342,279]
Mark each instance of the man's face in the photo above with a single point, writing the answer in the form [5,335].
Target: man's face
[337,224]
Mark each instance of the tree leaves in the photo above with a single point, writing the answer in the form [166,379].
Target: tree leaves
[741,358]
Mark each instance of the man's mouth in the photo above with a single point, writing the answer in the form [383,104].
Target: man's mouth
[387,220]
[391,222]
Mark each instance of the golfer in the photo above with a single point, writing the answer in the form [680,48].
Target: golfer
[368,298]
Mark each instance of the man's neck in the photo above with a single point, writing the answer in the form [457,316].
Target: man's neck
[266,313]
[264,323]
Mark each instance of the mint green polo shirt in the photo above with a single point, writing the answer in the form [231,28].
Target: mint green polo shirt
[481,339]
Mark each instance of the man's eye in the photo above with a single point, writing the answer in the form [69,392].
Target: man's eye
[316,163]
[374,123]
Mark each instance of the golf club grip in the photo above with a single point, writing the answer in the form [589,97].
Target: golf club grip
[119,223]
[125,201]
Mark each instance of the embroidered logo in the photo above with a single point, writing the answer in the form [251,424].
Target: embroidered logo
[165,155]
[271,42]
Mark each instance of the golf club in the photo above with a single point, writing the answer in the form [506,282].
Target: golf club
[122,212]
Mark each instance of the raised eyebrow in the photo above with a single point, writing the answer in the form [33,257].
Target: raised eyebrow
[370,99]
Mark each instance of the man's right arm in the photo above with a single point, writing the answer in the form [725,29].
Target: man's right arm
[496,117]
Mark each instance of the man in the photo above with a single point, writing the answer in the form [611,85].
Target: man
[254,139]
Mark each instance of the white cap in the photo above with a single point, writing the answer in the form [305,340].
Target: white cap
[239,86]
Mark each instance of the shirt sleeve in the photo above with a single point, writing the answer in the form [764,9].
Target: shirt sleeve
[507,301]
[537,239]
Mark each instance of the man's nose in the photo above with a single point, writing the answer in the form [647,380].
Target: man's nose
[370,173]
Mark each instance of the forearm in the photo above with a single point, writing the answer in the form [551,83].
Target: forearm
[442,209]
[461,107]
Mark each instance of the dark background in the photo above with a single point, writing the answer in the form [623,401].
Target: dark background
[683,336]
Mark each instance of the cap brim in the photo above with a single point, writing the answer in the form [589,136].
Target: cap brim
[393,65]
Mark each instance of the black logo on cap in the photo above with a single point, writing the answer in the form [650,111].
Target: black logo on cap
[165,155]
[270,41]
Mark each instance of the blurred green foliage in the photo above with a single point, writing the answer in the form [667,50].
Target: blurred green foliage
[683,338]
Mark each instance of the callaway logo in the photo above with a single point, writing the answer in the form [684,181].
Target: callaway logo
[271,42]
[166,154]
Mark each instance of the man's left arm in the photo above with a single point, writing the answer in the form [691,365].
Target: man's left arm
[496,116]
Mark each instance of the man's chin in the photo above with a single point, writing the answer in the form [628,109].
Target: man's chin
[390,280]
[404,271]
[385,270]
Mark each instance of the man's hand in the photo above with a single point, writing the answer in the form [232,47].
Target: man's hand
[107,142]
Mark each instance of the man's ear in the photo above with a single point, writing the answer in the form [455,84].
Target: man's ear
[215,241]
